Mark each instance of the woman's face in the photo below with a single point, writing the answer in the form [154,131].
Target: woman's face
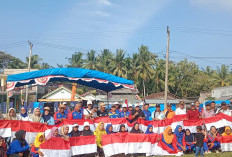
[110,129]
[213,130]
[75,128]
[180,129]
[56,132]
[136,126]
[187,132]
[86,128]
[150,129]
[101,127]
[46,112]
[41,138]
[228,131]
[23,110]
[123,129]
[169,131]
[12,113]
[1,141]
[37,112]
[66,130]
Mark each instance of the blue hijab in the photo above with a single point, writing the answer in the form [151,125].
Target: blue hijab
[107,129]
[178,134]
[148,127]
[25,114]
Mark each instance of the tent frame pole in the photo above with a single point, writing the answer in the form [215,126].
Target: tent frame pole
[107,93]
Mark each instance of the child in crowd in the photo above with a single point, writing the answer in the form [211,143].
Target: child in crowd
[199,141]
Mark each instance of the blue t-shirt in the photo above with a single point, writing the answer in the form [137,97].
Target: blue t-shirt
[77,115]
[111,115]
[147,114]
[59,115]
[123,114]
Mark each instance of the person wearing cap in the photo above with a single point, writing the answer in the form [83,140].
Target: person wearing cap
[124,113]
[208,112]
[89,113]
[198,107]
[146,112]
[102,112]
[157,114]
[75,132]
[181,109]
[47,117]
[193,113]
[168,112]
[60,115]
[224,109]
[87,131]
[66,110]
[117,107]
[137,113]
[77,113]
[214,107]
[113,113]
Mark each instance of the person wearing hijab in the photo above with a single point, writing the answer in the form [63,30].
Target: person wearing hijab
[149,129]
[37,117]
[189,141]
[3,148]
[48,119]
[122,128]
[168,139]
[86,131]
[109,129]
[227,132]
[136,129]
[98,133]
[11,115]
[19,146]
[213,139]
[64,132]
[39,139]
[53,133]
[23,114]
[180,138]
[75,132]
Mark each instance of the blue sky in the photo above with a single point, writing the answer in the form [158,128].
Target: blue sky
[199,28]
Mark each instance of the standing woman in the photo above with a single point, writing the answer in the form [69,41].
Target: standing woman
[213,139]
[23,114]
[189,141]
[19,146]
[136,129]
[86,131]
[48,119]
[11,115]
[180,137]
[39,139]
[168,141]
[36,117]
[149,129]
[98,133]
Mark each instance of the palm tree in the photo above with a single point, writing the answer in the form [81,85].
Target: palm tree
[76,60]
[91,61]
[16,63]
[35,60]
[118,64]
[222,76]
[105,59]
[146,65]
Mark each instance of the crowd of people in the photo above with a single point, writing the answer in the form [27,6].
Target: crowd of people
[176,140]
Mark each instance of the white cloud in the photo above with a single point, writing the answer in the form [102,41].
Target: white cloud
[102,13]
[104,2]
[222,5]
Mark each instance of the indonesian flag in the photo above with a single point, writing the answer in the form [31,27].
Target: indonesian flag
[226,143]
[116,122]
[192,124]
[105,120]
[5,128]
[80,123]
[216,121]
[56,147]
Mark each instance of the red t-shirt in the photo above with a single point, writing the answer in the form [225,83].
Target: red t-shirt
[193,114]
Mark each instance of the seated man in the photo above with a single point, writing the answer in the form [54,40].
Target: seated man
[113,113]
[77,113]
[60,115]
[124,113]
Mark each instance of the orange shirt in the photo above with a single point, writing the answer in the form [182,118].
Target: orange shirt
[170,114]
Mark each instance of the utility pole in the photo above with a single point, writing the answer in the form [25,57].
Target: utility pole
[29,68]
[166,71]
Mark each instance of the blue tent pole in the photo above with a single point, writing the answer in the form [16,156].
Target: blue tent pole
[108,99]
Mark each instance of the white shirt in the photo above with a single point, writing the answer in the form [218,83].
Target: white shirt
[24,118]
[180,111]
[227,112]
[159,115]
[87,112]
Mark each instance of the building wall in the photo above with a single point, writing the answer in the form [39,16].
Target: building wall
[222,91]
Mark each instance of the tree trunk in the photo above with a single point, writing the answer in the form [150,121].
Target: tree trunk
[144,89]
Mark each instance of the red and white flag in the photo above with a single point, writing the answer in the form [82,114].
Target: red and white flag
[226,143]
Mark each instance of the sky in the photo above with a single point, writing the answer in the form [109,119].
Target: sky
[200,30]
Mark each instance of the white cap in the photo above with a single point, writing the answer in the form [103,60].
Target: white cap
[65,103]
[86,124]
[130,105]
[89,102]
[75,125]
[116,102]
[124,105]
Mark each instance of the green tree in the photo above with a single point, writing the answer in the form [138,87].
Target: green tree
[91,61]
[104,61]
[35,61]
[118,64]
[16,63]
[222,76]
[76,60]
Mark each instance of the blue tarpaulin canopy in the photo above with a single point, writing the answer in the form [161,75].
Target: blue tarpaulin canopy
[90,78]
